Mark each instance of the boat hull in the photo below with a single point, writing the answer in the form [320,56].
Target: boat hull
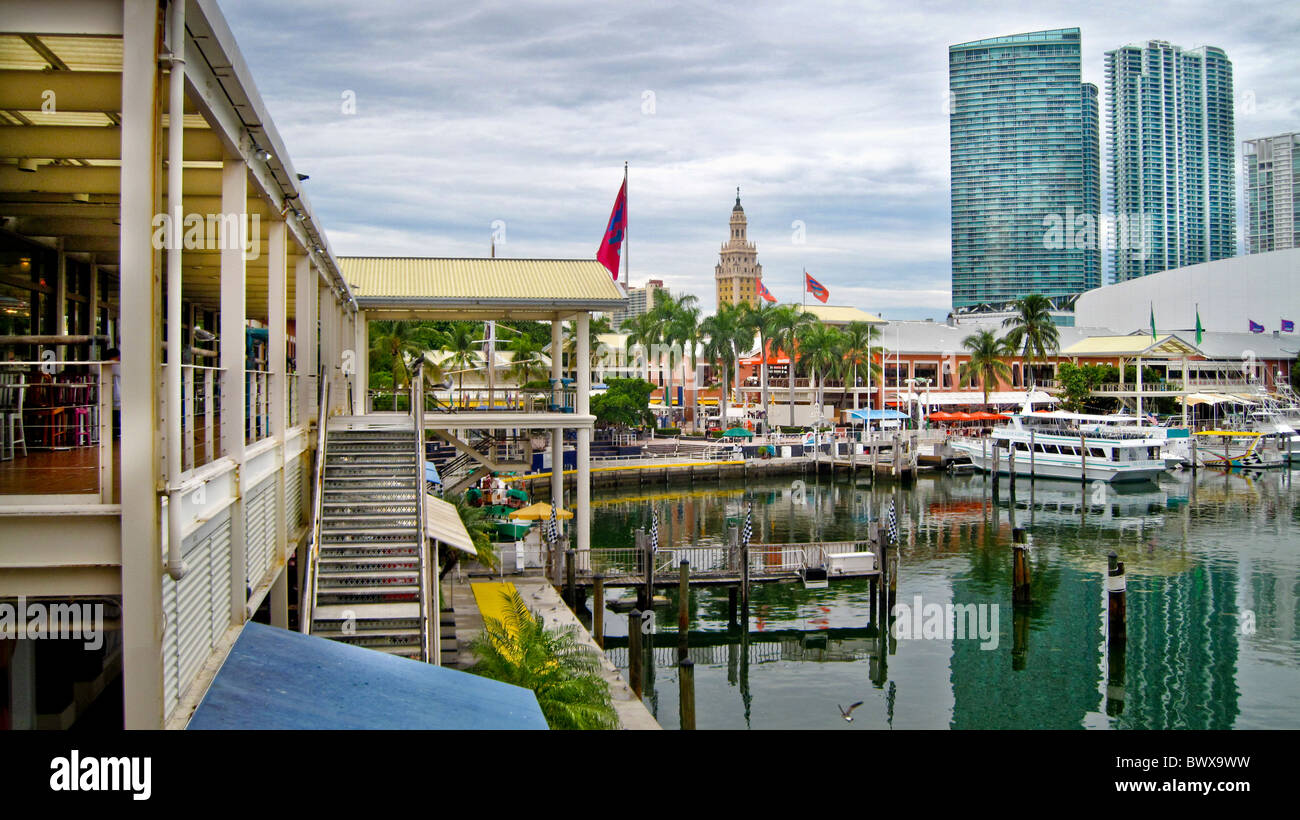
[1067,470]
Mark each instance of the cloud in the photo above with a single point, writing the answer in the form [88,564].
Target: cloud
[831,114]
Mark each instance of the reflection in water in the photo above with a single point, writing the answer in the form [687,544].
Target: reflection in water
[1212,621]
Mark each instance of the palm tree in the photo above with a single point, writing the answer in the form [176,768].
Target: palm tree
[527,364]
[821,349]
[641,330]
[985,363]
[788,324]
[720,332]
[564,674]
[758,319]
[462,343]
[400,342]
[685,328]
[1033,333]
[480,531]
[858,351]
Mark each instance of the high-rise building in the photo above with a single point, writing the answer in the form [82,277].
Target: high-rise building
[738,273]
[1271,168]
[1172,186]
[639,300]
[1026,178]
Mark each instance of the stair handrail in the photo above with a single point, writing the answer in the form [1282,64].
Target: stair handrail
[417,418]
[306,611]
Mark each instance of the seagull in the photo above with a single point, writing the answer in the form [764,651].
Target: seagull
[847,714]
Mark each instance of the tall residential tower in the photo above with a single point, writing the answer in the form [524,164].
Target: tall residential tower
[1026,176]
[1171,164]
[1271,168]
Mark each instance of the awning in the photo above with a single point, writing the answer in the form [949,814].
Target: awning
[279,679]
[540,511]
[431,473]
[442,523]
[877,415]
[1016,397]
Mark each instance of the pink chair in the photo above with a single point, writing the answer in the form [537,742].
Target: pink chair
[81,425]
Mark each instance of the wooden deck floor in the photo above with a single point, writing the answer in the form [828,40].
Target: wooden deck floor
[57,472]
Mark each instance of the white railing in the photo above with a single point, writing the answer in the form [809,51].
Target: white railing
[201,416]
[57,428]
[317,495]
[257,405]
[427,564]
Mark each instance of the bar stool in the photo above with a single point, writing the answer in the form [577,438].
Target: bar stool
[11,421]
[81,425]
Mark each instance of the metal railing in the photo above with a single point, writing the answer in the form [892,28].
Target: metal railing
[257,405]
[53,415]
[426,565]
[201,417]
[764,559]
[318,493]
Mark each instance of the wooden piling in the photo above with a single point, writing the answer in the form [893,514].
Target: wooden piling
[1020,595]
[1117,600]
[1033,471]
[744,582]
[634,651]
[686,692]
[598,609]
[683,607]
[732,595]
[571,577]
[1083,464]
[1019,639]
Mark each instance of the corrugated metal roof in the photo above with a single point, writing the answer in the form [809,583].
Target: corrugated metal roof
[837,314]
[423,280]
[1167,345]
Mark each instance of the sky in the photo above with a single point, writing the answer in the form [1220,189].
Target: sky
[427,128]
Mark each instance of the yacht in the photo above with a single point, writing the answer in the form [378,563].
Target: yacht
[1237,448]
[1070,446]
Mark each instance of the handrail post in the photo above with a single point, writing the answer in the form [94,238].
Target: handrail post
[430,648]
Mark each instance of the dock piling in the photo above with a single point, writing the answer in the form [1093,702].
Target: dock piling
[634,651]
[571,578]
[683,607]
[1117,600]
[1020,595]
[598,609]
[686,692]
[732,595]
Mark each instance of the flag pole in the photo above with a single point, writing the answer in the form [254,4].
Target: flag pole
[627,264]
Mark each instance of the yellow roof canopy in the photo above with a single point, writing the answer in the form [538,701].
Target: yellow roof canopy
[1167,346]
[842,314]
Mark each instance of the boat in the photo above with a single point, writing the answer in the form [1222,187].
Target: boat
[1236,448]
[1071,446]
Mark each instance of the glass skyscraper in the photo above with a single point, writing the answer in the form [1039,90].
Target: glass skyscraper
[1026,175]
[1172,190]
[1271,168]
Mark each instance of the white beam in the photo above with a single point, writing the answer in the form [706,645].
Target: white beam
[583,457]
[277,319]
[234,193]
[78,17]
[142,615]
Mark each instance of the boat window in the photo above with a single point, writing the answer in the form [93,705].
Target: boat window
[1050,448]
[1022,446]
[1096,452]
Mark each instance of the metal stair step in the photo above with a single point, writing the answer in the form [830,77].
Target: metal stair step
[374,578]
[367,612]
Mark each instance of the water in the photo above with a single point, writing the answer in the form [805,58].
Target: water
[1213,567]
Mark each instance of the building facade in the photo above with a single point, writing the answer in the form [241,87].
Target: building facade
[639,300]
[738,274]
[1271,170]
[1025,168]
[1171,162]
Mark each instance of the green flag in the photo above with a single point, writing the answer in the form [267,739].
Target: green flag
[1153,322]
[1199,329]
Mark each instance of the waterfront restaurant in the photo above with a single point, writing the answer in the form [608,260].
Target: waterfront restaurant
[192,520]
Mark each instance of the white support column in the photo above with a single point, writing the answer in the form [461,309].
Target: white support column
[277,310]
[1186,391]
[327,352]
[361,344]
[304,331]
[142,615]
[583,408]
[557,434]
[234,194]
[1139,390]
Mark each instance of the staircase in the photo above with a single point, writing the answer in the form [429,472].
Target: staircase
[368,590]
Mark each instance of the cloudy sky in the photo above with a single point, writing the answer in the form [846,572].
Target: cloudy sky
[829,115]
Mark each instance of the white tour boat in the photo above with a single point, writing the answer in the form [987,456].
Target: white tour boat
[1068,445]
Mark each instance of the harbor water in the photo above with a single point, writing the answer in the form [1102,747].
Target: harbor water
[1213,572]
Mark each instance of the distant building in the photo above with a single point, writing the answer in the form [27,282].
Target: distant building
[1026,192]
[738,274]
[639,300]
[1271,168]
[1171,167]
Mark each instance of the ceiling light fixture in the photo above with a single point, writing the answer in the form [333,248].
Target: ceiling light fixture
[28,165]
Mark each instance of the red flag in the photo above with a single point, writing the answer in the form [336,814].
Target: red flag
[610,251]
[764,292]
[816,288]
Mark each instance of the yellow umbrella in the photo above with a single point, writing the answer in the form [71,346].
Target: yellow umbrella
[540,512]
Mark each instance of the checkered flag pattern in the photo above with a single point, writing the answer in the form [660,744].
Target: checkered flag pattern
[654,530]
[748,531]
[892,523]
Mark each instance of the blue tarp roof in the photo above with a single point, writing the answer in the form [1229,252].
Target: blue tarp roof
[877,415]
[431,473]
[278,679]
